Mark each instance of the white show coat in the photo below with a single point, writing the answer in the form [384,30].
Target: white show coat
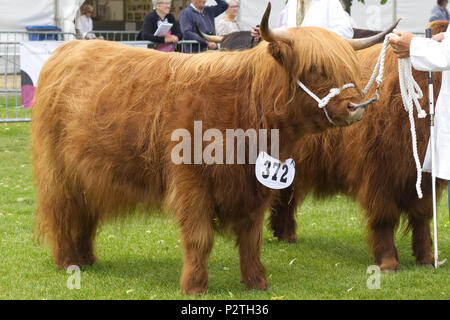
[85,25]
[327,14]
[430,55]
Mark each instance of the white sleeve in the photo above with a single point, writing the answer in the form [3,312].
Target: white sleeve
[84,26]
[339,20]
[429,55]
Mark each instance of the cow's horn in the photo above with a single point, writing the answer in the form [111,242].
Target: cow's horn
[271,35]
[359,44]
[216,39]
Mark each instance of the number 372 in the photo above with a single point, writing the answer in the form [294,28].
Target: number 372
[275,169]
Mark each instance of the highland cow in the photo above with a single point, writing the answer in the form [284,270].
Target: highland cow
[105,113]
[373,163]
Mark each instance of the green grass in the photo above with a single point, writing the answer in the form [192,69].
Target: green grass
[11,108]
[141,257]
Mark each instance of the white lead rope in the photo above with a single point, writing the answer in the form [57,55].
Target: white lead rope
[411,93]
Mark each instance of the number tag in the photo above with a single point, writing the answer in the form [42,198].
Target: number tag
[273,173]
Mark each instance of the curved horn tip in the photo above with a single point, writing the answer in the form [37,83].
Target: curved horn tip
[359,44]
[266,33]
[264,25]
[216,39]
[395,24]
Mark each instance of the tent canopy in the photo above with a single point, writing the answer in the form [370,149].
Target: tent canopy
[18,14]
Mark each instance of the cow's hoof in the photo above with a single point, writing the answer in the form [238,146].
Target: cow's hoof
[289,238]
[427,261]
[425,264]
[63,265]
[194,291]
[260,284]
[389,265]
[88,260]
[195,284]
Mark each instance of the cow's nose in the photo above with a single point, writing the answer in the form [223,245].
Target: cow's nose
[355,115]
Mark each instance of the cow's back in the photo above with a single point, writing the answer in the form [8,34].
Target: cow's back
[94,108]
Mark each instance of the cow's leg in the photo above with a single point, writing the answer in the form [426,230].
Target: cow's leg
[197,239]
[249,232]
[282,217]
[420,215]
[85,238]
[382,227]
[63,216]
[195,213]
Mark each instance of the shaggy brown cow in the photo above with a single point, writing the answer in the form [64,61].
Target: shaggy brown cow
[372,162]
[103,120]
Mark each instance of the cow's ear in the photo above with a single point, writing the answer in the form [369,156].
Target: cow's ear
[283,53]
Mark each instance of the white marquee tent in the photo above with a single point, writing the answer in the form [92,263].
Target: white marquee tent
[18,14]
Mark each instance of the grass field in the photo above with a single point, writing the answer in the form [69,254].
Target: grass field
[11,108]
[141,257]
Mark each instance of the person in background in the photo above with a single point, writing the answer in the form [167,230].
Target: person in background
[197,13]
[227,23]
[327,14]
[85,24]
[439,12]
[161,14]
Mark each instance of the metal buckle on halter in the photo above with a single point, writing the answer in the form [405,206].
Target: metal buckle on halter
[376,97]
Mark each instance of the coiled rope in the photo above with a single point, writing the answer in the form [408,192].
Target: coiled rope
[411,93]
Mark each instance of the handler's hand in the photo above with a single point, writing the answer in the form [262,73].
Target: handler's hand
[212,46]
[438,37]
[255,33]
[401,45]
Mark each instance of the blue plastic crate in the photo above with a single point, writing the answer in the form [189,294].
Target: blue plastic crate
[45,36]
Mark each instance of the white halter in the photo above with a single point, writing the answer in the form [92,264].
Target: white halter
[322,103]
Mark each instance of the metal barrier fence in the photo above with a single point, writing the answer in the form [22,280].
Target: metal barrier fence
[11,107]
[114,35]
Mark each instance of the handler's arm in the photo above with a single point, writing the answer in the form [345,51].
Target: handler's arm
[429,55]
